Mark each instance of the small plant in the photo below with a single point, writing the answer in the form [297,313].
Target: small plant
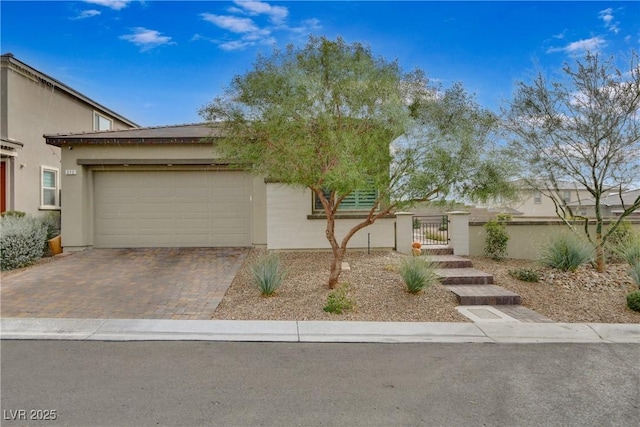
[416,223]
[267,273]
[338,301]
[633,300]
[19,214]
[525,274]
[438,237]
[635,273]
[567,252]
[417,273]
[497,239]
[621,237]
[629,250]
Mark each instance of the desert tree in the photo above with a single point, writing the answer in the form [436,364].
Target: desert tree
[335,118]
[582,127]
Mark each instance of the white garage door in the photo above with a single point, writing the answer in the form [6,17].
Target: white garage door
[171,209]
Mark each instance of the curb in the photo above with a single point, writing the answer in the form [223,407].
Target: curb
[313,331]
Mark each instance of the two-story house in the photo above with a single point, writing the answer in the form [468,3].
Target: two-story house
[33,104]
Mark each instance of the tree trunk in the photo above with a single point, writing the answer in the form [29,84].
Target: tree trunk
[336,268]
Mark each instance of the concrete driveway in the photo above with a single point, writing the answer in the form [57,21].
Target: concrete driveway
[158,283]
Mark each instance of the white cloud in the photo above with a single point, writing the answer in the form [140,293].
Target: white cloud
[111,4]
[607,17]
[243,19]
[86,14]
[231,23]
[146,39]
[277,14]
[593,44]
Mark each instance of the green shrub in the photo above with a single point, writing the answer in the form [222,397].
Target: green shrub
[497,239]
[635,273]
[438,237]
[629,250]
[567,252]
[417,273]
[267,273]
[22,240]
[338,301]
[633,300]
[622,240]
[19,214]
[525,274]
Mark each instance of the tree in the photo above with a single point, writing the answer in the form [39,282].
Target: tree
[583,128]
[334,118]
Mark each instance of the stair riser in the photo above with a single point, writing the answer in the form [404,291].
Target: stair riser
[478,280]
[489,300]
[437,251]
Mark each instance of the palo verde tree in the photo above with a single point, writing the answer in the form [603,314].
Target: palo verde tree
[334,118]
[582,128]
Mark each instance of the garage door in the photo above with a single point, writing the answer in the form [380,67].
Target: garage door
[171,209]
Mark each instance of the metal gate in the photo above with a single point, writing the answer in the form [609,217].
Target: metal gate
[431,230]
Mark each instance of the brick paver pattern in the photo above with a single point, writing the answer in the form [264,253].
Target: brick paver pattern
[158,283]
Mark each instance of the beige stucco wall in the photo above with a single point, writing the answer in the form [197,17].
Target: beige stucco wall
[526,239]
[31,107]
[545,208]
[77,181]
[289,228]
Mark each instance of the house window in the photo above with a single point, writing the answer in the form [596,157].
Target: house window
[49,187]
[537,197]
[358,200]
[566,196]
[101,122]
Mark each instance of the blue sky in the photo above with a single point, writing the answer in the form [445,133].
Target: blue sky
[158,62]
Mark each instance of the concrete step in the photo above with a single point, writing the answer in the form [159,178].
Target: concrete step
[450,261]
[484,295]
[436,250]
[463,276]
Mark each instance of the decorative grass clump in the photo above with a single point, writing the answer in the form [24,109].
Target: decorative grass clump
[418,273]
[338,301]
[629,251]
[268,273]
[633,300]
[525,274]
[635,273]
[567,252]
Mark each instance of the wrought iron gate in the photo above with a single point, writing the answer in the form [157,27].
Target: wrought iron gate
[431,230]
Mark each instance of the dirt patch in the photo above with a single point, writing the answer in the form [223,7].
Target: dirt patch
[379,293]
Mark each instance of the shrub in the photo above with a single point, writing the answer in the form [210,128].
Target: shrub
[267,273]
[629,250]
[417,273]
[497,238]
[337,301]
[633,300]
[22,241]
[567,252]
[617,240]
[524,274]
[19,214]
[635,273]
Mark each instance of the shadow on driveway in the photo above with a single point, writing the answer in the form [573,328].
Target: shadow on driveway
[157,283]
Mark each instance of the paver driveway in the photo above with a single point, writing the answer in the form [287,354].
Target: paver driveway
[163,283]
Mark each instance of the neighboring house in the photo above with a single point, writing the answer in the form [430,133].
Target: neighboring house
[32,104]
[166,187]
[611,205]
[532,203]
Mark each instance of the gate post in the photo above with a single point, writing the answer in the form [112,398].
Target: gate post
[459,232]
[404,232]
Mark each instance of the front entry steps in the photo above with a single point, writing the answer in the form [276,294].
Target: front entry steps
[471,286]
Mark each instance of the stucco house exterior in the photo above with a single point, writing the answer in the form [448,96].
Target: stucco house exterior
[167,187]
[32,104]
[532,203]
[611,205]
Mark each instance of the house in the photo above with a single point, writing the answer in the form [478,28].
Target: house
[533,203]
[611,205]
[32,104]
[167,187]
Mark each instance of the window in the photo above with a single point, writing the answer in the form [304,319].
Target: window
[537,197]
[49,187]
[359,200]
[101,122]
[566,196]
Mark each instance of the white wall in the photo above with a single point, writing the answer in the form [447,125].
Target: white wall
[289,228]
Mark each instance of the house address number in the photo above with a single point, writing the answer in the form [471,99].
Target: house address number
[70,172]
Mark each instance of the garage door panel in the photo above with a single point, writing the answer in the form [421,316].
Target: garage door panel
[171,208]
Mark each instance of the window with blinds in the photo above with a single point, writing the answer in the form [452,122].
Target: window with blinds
[358,200]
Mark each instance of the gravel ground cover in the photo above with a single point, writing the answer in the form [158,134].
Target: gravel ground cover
[379,293]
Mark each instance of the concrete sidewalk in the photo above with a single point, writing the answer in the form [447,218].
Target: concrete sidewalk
[314,331]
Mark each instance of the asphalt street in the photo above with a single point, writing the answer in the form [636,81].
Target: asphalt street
[81,383]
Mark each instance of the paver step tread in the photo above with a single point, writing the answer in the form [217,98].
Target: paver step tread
[484,295]
[464,276]
[450,261]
